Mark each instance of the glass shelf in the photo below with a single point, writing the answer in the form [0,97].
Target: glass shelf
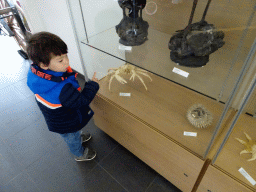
[154,56]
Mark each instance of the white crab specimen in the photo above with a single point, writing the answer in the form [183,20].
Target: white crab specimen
[129,70]
[250,147]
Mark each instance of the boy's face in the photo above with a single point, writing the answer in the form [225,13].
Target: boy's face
[57,63]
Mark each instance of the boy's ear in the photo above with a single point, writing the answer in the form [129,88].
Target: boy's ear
[43,66]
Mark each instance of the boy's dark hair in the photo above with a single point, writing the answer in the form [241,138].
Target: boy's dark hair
[43,45]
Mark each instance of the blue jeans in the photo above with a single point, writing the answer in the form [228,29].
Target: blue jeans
[74,143]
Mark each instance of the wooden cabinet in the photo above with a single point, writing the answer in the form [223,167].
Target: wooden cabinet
[166,157]
[164,106]
[152,127]
[216,181]
[230,161]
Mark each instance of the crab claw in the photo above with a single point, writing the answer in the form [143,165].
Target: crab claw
[120,79]
[244,151]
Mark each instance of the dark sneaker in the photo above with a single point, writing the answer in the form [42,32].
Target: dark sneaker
[88,155]
[85,137]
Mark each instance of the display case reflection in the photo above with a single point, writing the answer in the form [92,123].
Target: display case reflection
[192,46]
[132,29]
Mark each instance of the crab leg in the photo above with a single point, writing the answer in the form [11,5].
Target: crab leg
[120,79]
[142,70]
[112,69]
[247,136]
[244,151]
[110,81]
[142,81]
[241,141]
[145,74]
[253,158]
[133,75]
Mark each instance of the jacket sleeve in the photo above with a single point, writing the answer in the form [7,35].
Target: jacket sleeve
[70,97]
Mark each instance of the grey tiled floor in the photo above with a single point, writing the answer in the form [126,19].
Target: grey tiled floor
[34,159]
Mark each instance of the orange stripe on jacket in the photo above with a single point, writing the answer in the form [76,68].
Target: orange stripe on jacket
[69,70]
[48,103]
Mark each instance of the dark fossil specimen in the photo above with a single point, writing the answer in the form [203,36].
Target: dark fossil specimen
[192,46]
[132,30]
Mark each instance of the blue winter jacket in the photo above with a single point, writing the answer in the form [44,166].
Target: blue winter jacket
[58,95]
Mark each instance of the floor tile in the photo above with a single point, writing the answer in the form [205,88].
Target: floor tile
[19,124]
[9,96]
[63,174]
[98,181]
[100,142]
[22,87]
[13,69]
[19,110]
[9,165]
[8,188]
[30,143]
[128,170]
[47,161]
[58,156]
[160,184]
[22,182]
[12,74]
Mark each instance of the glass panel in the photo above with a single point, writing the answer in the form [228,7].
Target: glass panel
[164,19]
[251,107]
[238,156]
[177,101]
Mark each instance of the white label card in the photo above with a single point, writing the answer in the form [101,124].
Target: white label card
[125,94]
[127,48]
[180,72]
[247,176]
[193,134]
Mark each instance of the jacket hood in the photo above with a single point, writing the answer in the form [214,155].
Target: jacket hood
[40,83]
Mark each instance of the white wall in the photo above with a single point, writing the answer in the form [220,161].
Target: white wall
[53,16]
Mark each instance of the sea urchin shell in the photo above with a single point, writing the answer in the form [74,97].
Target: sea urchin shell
[199,116]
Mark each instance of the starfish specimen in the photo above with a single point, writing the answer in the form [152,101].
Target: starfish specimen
[250,147]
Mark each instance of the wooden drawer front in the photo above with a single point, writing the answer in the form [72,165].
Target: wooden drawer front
[170,160]
[216,181]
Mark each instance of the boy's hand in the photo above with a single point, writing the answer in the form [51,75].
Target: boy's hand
[94,78]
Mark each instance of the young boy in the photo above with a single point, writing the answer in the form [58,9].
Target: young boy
[64,106]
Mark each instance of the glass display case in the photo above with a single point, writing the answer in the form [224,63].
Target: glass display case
[236,155]
[164,19]
[179,67]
